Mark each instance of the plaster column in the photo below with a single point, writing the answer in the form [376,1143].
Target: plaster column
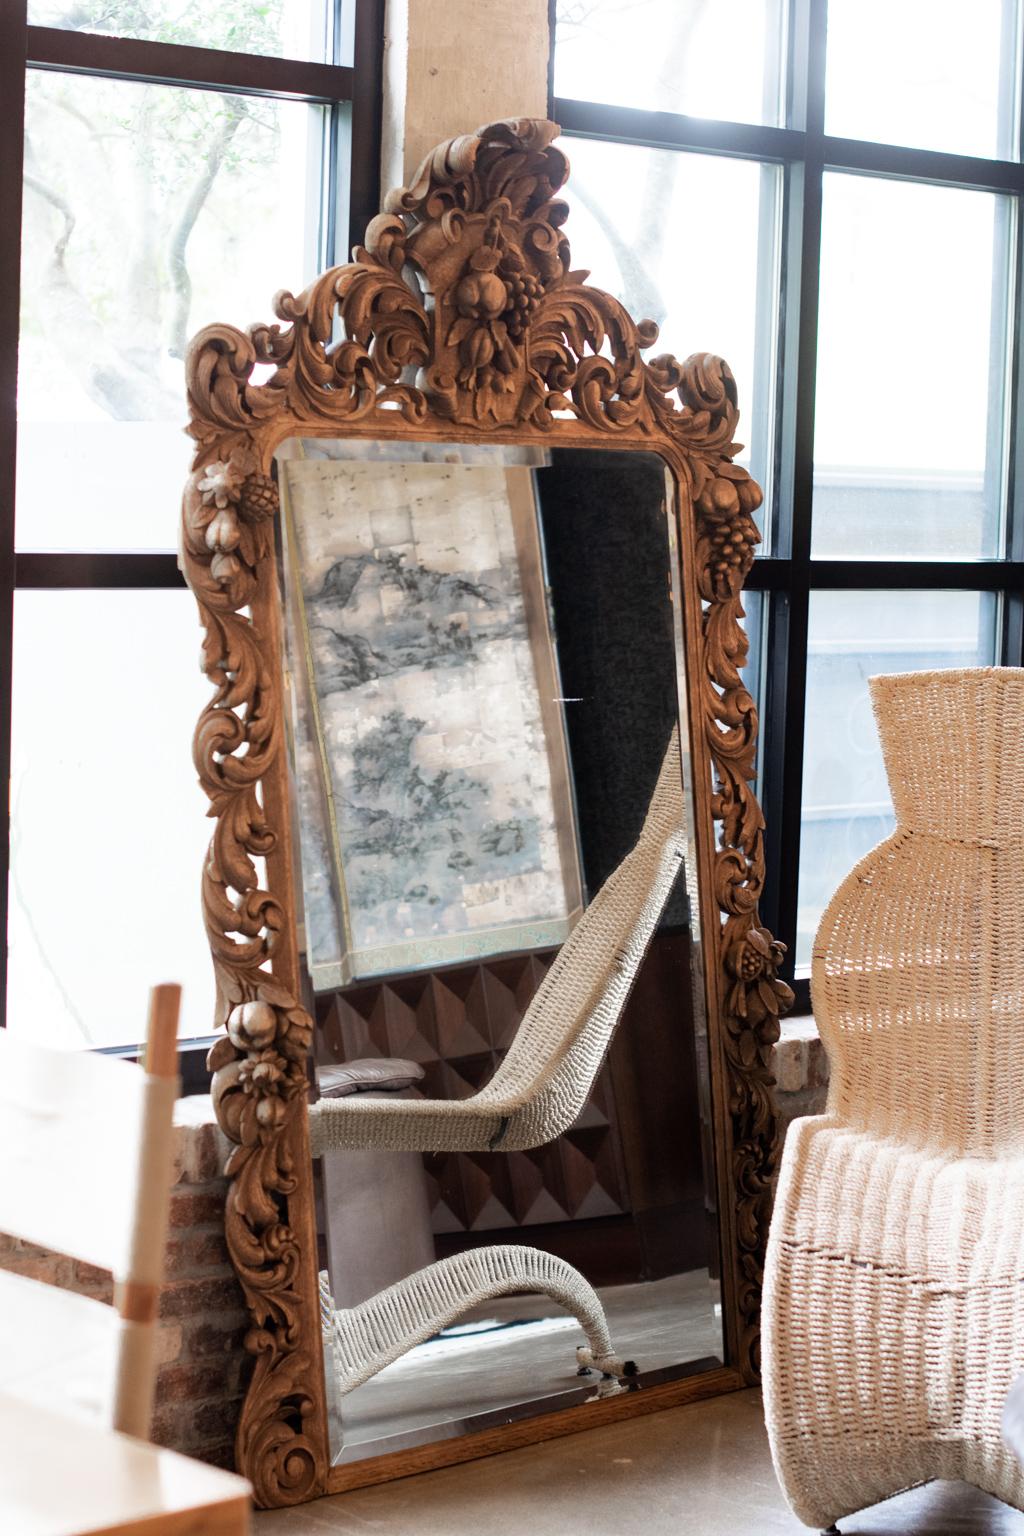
[451,66]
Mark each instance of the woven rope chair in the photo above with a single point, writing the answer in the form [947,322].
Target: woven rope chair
[364,1339]
[543,1082]
[894,1287]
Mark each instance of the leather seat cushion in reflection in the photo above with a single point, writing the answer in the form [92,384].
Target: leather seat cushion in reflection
[370,1074]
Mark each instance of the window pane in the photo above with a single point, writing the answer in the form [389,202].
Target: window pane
[635,217]
[279,28]
[698,57]
[755,614]
[851,637]
[934,74]
[755,623]
[912,356]
[108,825]
[149,212]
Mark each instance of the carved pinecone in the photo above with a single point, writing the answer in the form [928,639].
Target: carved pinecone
[524,291]
[258,499]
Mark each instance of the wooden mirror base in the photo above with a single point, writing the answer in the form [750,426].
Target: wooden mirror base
[531,1431]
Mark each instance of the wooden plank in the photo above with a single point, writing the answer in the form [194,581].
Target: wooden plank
[108,1484]
[58,1349]
[69,1124]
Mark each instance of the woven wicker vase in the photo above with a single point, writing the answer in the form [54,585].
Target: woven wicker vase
[894,1290]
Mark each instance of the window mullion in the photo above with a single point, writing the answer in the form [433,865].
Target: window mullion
[786,683]
[96,569]
[12,94]
[888,575]
[672,130]
[1012,636]
[215,69]
[364,189]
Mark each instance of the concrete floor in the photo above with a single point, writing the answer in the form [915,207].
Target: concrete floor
[703,1470]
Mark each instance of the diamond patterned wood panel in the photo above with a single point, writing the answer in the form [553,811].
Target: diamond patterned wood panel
[458,1023]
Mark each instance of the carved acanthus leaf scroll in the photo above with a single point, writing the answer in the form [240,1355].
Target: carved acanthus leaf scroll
[461,315]
[259,1073]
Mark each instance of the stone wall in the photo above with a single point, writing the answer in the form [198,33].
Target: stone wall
[449,69]
[801,1071]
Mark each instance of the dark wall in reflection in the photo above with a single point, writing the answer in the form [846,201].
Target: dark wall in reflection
[620,1195]
[603,520]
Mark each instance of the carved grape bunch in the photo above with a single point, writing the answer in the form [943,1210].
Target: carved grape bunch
[524,294]
[725,506]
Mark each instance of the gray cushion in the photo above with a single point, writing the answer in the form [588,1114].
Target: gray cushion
[382,1074]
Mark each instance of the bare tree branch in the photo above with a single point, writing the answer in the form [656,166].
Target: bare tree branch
[177,266]
[123,388]
[63,208]
[640,292]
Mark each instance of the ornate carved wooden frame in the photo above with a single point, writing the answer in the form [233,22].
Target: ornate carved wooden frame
[459,317]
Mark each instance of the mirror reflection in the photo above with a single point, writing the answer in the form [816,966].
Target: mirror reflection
[492,803]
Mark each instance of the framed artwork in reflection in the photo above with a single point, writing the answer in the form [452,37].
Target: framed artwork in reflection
[436,819]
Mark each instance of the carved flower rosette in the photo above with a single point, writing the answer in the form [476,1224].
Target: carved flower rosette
[460,316]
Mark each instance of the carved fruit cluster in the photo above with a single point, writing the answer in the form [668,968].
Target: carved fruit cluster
[232,502]
[494,302]
[726,505]
[259,498]
[524,293]
[260,1066]
[757,996]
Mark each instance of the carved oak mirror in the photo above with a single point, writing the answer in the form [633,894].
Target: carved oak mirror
[482,890]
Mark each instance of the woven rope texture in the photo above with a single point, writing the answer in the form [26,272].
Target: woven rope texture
[894,1287]
[376,1333]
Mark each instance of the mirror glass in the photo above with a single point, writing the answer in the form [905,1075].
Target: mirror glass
[493,812]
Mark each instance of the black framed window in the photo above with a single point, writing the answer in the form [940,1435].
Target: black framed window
[163,165]
[842,221]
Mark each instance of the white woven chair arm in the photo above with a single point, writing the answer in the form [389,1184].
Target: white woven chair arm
[381,1330]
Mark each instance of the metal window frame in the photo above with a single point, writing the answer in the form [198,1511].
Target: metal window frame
[354,89]
[788,575]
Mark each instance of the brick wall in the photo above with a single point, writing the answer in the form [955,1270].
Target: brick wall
[202,1320]
[202,1317]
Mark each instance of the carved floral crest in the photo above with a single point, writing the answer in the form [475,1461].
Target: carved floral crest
[460,315]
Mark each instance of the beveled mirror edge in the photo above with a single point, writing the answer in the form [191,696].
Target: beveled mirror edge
[480,214]
[530,1431]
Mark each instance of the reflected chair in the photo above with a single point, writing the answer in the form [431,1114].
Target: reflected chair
[543,1082]
[360,1341]
[86,1148]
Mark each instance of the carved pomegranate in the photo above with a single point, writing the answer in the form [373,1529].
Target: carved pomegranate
[481,296]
